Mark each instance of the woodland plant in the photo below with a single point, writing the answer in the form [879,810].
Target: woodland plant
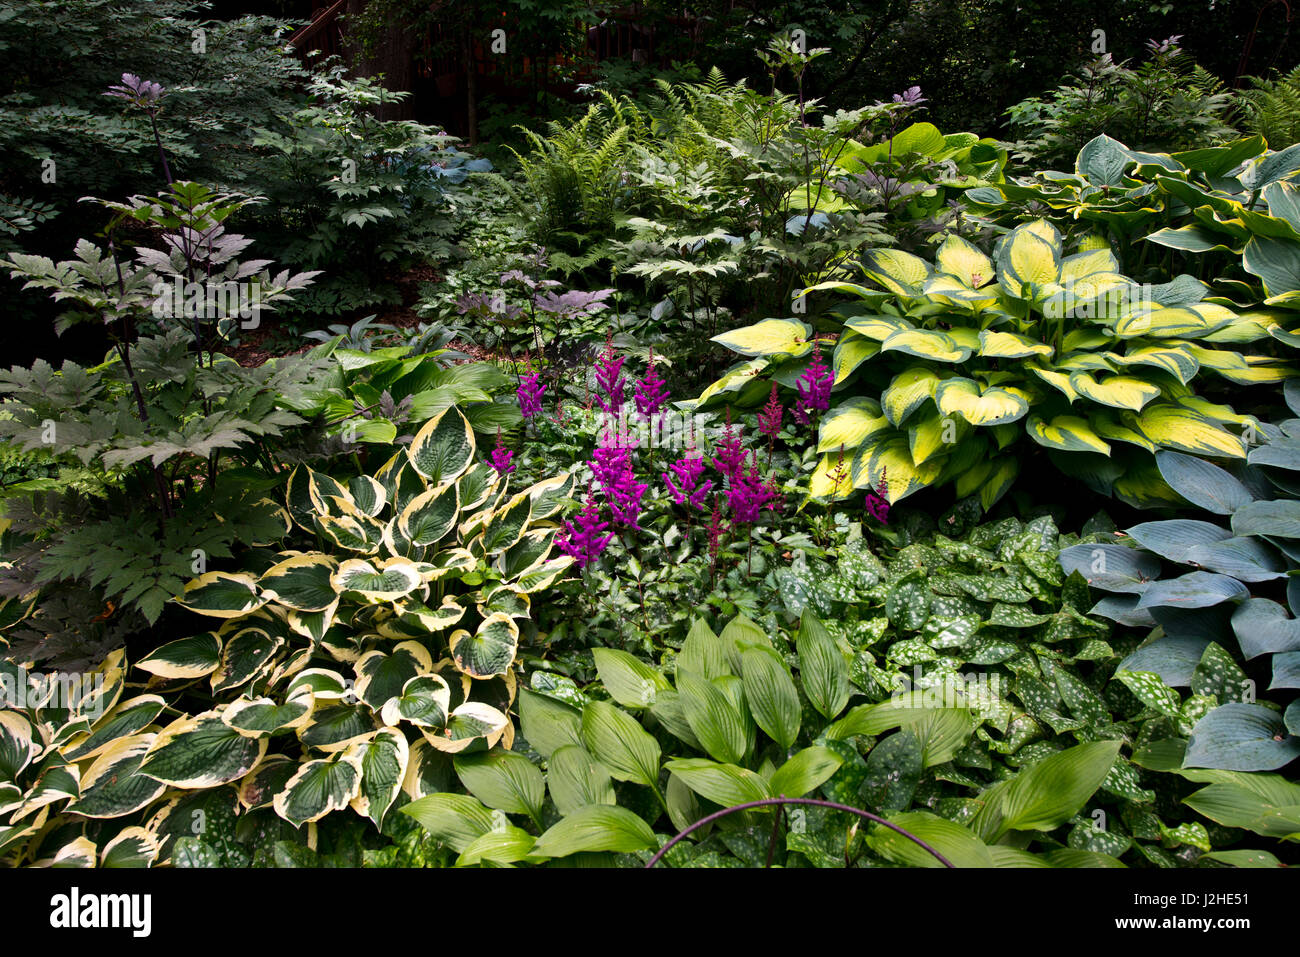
[971,352]
[326,684]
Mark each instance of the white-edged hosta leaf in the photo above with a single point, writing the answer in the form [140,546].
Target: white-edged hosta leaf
[192,657]
[443,448]
[424,701]
[222,595]
[201,752]
[471,725]
[490,650]
[384,760]
[132,847]
[302,582]
[378,581]
[257,717]
[319,787]
[112,786]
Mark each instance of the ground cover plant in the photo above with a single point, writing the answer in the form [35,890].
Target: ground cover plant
[734,472]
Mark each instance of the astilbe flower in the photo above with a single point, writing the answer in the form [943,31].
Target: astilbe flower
[748,494]
[612,466]
[731,455]
[530,395]
[651,392]
[609,379]
[769,419]
[814,389]
[877,502]
[715,535]
[501,457]
[582,539]
[688,488]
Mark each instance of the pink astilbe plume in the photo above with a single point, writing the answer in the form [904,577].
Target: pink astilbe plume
[612,466]
[688,488]
[769,419]
[715,535]
[501,457]
[530,393]
[582,539]
[877,503]
[651,392]
[609,378]
[814,389]
[731,455]
[748,494]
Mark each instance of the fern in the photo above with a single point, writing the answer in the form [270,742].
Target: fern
[1271,108]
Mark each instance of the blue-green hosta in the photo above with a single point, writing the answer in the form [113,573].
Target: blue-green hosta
[1223,661]
[341,673]
[942,373]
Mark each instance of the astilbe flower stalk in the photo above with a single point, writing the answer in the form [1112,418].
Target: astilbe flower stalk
[651,392]
[530,395]
[814,389]
[501,457]
[769,421]
[877,503]
[584,538]
[609,379]
[715,537]
[688,489]
[731,455]
[612,466]
[748,494]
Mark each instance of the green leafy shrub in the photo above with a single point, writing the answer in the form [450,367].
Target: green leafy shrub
[1271,108]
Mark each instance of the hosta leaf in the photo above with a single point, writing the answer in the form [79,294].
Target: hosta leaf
[719,727]
[954,841]
[424,701]
[822,669]
[201,752]
[384,760]
[430,515]
[907,392]
[1241,737]
[576,780]
[222,595]
[377,581]
[490,650]
[1119,391]
[805,771]
[618,742]
[724,784]
[1046,794]
[319,787]
[771,696]
[990,406]
[112,786]
[302,582]
[456,820]
[185,658]
[785,337]
[443,448]
[629,681]
[596,827]
[548,724]
[851,423]
[1069,433]
[504,780]
[1174,427]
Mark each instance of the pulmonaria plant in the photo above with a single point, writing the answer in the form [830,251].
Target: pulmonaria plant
[609,379]
[530,395]
[585,538]
[814,389]
[688,489]
[651,392]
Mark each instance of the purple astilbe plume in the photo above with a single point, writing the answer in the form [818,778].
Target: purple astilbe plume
[769,419]
[748,495]
[731,456]
[582,539]
[530,395]
[612,466]
[651,392]
[501,457]
[814,389]
[609,379]
[715,536]
[688,488]
[877,503]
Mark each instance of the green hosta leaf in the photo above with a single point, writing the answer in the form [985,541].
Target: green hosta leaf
[724,784]
[618,742]
[443,448]
[302,582]
[850,424]
[1194,590]
[548,724]
[907,392]
[954,841]
[990,406]
[201,752]
[430,515]
[222,595]
[186,658]
[501,846]
[1267,804]
[377,581]
[384,761]
[488,652]
[1241,737]
[629,681]
[576,780]
[319,787]
[822,668]
[112,786]
[456,820]
[1046,794]
[719,727]
[503,780]
[1277,518]
[597,827]
[784,337]
[804,772]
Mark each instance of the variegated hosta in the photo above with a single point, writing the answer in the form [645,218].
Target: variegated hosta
[941,372]
[346,675]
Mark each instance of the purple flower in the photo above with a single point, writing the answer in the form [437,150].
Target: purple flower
[877,502]
[748,494]
[612,466]
[582,539]
[651,393]
[731,456]
[609,379]
[814,389]
[530,395]
[769,420]
[501,457]
[688,488]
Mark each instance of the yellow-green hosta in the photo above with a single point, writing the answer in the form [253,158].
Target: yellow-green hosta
[950,363]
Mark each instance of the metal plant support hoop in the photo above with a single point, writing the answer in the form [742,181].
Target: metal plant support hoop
[768,802]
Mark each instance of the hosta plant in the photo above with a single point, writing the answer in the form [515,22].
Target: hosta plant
[1223,660]
[942,373]
[345,671]
[737,723]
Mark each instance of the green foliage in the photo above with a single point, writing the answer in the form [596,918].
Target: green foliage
[973,351]
[1219,627]
[1167,103]
[1271,108]
[368,658]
